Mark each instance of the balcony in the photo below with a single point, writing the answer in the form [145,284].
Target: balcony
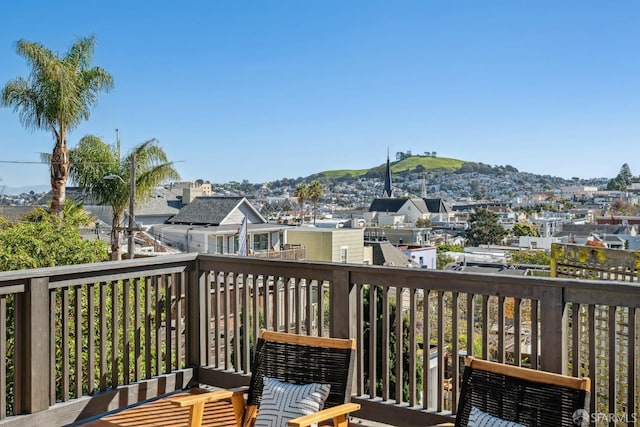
[83,340]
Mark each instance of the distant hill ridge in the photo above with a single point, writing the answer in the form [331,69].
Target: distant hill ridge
[408,164]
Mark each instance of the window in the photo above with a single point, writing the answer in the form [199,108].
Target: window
[344,254]
[219,244]
[261,242]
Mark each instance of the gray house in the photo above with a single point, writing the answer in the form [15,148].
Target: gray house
[212,225]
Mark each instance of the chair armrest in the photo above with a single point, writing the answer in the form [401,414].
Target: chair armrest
[199,396]
[338,413]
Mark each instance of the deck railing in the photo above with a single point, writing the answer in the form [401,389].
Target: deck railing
[81,340]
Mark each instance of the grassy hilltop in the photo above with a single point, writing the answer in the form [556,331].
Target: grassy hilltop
[404,165]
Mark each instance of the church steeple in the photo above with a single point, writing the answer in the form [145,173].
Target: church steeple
[388,191]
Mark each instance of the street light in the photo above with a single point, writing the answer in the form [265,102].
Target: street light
[132,198]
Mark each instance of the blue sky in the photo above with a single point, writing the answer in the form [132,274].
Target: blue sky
[262,90]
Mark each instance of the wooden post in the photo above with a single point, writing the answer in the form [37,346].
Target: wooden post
[554,352]
[343,305]
[35,327]
[197,315]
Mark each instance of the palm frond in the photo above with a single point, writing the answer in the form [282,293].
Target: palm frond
[80,53]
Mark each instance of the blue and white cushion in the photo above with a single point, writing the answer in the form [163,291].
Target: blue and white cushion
[282,402]
[477,418]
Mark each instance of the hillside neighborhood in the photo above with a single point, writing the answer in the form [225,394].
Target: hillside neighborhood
[397,219]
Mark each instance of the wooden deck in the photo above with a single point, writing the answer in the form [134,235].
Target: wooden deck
[161,413]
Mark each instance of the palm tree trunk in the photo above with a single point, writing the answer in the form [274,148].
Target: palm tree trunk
[59,171]
[314,213]
[301,211]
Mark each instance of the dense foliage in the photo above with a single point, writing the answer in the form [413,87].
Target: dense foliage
[40,240]
[531,256]
[523,229]
[484,228]
[423,223]
[622,180]
[485,169]
[442,257]
[448,247]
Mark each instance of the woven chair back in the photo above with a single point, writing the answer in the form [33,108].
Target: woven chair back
[533,400]
[306,360]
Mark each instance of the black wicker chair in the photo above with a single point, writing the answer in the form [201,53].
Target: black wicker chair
[294,359]
[526,396]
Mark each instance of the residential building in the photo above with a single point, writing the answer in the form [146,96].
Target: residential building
[344,245]
[531,242]
[211,225]
[424,256]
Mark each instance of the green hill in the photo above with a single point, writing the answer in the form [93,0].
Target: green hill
[429,163]
[404,165]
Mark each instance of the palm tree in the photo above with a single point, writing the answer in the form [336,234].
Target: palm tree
[57,96]
[93,160]
[302,193]
[315,193]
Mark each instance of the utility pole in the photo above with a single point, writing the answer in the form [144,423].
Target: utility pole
[132,199]
[118,143]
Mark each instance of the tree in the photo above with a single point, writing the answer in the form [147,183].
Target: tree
[57,96]
[484,228]
[625,173]
[302,193]
[442,256]
[93,160]
[442,260]
[621,206]
[39,239]
[622,180]
[423,222]
[315,193]
[523,229]
[530,256]
[448,247]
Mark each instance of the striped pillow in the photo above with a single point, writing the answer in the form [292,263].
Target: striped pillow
[282,402]
[477,418]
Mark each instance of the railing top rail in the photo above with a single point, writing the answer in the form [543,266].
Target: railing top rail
[575,290]
[427,279]
[102,271]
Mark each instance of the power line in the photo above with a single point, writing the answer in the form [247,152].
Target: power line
[21,162]
[48,163]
